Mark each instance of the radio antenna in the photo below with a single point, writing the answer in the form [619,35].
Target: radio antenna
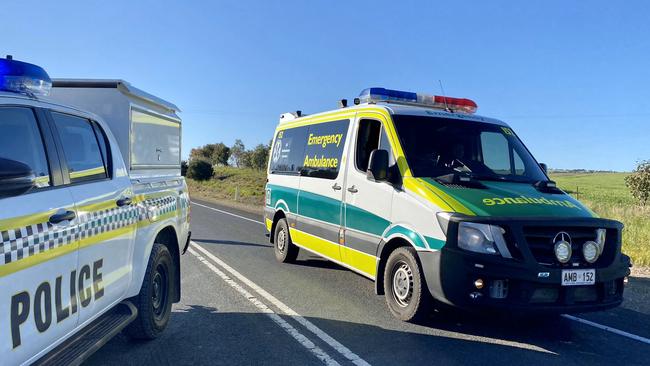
[444,97]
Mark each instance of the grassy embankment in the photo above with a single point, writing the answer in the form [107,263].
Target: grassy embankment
[605,193]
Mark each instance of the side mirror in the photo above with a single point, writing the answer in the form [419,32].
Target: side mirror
[544,168]
[16,178]
[378,166]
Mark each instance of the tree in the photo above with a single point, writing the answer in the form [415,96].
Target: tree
[236,153]
[220,154]
[260,157]
[184,168]
[639,182]
[216,154]
[199,169]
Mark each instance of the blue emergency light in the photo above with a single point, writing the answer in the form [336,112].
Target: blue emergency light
[22,77]
[374,95]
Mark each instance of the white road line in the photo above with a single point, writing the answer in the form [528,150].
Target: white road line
[228,213]
[344,351]
[303,340]
[607,328]
[579,320]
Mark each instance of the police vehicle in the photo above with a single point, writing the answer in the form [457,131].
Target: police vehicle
[434,202]
[94,214]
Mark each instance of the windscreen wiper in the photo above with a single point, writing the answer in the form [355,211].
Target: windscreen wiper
[465,180]
[547,186]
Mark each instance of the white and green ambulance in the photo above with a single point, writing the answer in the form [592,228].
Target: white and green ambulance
[433,202]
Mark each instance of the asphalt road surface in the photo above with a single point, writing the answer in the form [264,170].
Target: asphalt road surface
[240,307]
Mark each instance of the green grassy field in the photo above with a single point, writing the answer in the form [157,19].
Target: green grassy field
[605,193]
[245,186]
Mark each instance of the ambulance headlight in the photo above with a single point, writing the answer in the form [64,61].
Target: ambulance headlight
[22,77]
[590,251]
[563,251]
[480,238]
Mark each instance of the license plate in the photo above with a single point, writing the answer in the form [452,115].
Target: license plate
[577,277]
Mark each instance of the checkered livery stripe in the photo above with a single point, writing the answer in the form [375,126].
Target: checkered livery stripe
[23,242]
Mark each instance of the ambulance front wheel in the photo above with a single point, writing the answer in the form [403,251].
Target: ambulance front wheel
[406,292]
[154,301]
[285,250]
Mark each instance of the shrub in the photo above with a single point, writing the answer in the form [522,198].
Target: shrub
[639,182]
[199,170]
[184,168]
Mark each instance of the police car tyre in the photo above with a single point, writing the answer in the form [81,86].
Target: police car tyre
[406,292]
[285,250]
[154,301]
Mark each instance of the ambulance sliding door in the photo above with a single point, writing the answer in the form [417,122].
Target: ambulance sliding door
[321,189]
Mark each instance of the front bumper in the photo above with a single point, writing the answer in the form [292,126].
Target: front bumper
[520,284]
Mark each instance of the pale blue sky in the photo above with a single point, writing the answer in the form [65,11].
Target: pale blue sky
[572,78]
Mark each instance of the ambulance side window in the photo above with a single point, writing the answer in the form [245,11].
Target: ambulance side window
[81,147]
[287,155]
[371,136]
[324,150]
[21,143]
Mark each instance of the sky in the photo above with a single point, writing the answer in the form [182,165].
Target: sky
[571,78]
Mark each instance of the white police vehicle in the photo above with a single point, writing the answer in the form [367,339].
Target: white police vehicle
[94,214]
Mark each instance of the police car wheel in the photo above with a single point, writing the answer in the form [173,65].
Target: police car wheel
[406,293]
[285,250]
[154,300]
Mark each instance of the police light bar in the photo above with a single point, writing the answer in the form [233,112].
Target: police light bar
[21,77]
[373,95]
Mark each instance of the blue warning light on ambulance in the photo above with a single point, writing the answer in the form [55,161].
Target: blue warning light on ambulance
[22,77]
[460,105]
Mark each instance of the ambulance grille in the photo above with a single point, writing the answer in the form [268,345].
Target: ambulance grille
[540,243]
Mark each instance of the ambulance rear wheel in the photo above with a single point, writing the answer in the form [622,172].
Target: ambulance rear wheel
[154,302]
[285,250]
[406,293]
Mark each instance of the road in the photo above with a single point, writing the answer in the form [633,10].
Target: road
[239,306]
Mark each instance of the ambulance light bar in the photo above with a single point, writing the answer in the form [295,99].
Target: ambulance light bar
[21,77]
[373,95]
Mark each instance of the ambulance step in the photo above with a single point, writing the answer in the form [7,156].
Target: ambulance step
[87,341]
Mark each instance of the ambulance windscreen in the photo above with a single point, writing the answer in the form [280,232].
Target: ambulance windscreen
[436,147]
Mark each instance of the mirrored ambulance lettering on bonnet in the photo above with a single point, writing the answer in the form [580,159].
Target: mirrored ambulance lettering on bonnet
[433,202]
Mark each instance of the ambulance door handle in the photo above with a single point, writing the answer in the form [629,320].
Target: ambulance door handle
[353,189]
[62,216]
[336,187]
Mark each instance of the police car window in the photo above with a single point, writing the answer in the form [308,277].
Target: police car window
[81,147]
[325,143]
[21,142]
[287,155]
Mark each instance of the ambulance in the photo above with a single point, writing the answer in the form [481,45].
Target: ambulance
[94,214]
[437,205]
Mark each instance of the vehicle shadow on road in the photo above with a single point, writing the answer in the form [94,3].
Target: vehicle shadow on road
[199,335]
[231,242]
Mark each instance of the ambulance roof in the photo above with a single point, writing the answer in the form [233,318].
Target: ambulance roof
[399,109]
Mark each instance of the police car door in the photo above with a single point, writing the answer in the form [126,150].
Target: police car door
[321,188]
[38,254]
[107,215]
[367,204]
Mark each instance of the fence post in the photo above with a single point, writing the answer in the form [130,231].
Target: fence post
[236,193]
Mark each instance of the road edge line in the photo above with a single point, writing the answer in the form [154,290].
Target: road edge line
[262,307]
[607,328]
[228,213]
[340,348]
